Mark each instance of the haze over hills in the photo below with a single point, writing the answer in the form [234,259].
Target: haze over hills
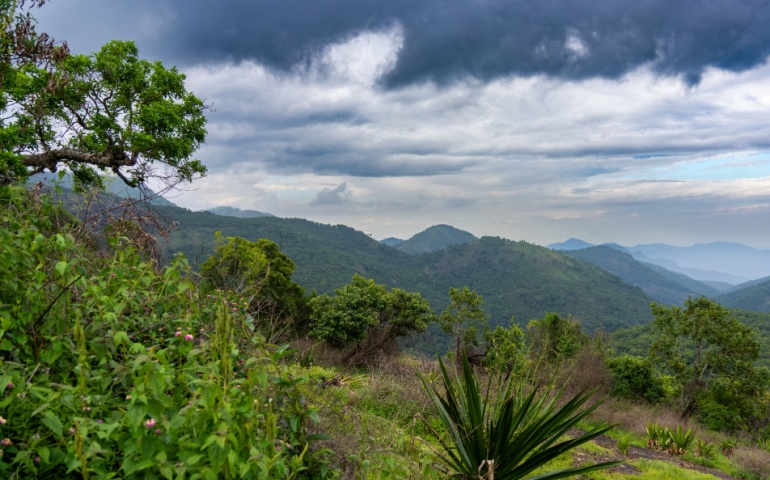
[718,263]
[660,284]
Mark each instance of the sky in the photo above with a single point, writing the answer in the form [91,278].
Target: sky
[536,120]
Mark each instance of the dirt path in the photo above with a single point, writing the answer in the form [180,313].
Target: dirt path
[634,453]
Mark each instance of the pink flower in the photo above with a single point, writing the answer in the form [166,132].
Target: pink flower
[100,421]
[188,337]
[6,442]
[158,431]
[128,397]
[178,333]
[150,423]
[3,421]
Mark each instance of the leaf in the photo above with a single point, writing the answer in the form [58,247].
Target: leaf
[61,268]
[53,423]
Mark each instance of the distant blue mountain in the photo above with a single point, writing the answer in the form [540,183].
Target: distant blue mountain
[721,264]
[571,244]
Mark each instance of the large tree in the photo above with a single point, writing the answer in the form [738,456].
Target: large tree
[706,348]
[110,112]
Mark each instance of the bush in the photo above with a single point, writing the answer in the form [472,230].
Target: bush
[109,366]
[635,378]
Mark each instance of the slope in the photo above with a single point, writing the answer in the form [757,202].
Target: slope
[516,278]
[754,297]
[526,281]
[670,288]
[434,239]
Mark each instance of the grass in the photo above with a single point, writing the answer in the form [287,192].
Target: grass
[374,419]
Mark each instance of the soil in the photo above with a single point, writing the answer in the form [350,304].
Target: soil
[634,453]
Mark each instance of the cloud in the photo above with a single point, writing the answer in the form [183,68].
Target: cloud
[333,196]
[531,120]
[444,42]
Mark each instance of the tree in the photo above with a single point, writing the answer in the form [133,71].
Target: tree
[464,319]
[260,272]
[553,338]
[106,113]
[505,348]
[703,346]
[364,310]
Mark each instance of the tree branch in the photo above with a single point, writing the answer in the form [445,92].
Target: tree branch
[50,158]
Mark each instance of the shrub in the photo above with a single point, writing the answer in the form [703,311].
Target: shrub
[109,366]
[364,310]
[635,378]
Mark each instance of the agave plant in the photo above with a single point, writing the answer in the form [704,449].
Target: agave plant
[705,449]
[727,446]
[509,435]
[679,440]
[654,435]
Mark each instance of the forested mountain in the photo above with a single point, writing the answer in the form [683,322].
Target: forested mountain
[527,281]
[435,238]
[237,212]
[515,278]
[662,285]
[755,296]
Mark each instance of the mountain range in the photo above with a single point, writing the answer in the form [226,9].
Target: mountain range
[719,264]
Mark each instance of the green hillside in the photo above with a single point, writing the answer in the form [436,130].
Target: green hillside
[515,278]
[435,238]
[657,282]
[526,281]
[754,297]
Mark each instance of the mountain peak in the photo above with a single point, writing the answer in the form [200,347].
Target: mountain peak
[570,244]
[435,238]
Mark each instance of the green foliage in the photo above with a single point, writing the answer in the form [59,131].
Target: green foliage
[507,435]
[364,308]
[553,338]
[505,348]
[678,441]
[259,272]
[111,367]
[672,441]
[464,319]
[705,449]
[635,378]
[435,238]
[107,112]
[515,278]
[724,354]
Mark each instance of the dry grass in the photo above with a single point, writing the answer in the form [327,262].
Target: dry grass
[753,460]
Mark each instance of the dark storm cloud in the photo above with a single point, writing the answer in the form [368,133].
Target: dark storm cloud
[446,40]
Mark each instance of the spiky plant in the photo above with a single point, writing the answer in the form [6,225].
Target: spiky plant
[705,449]
[727,446]
[679,440]
[654,434]
[509,435]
